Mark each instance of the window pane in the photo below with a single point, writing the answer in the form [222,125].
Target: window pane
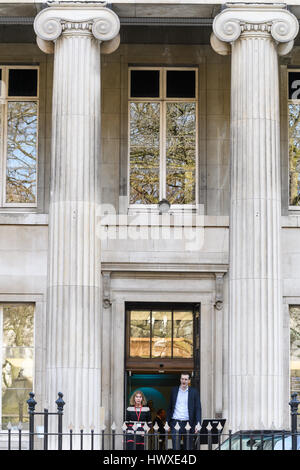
[183,334]
[181,84]
[294,153]
[18,325]
[295,348]
[161,334]
[17,362]
[144,153]
[21,169]
[294,85]
[144,84]
[181,152]
[22,82]
[139,333]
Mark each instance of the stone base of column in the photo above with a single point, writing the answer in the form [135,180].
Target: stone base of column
[74,356]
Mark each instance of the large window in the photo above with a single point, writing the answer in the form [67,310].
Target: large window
[162,135]
[17,354]
[160,335]
[295,348]
[294,136]
[19,135]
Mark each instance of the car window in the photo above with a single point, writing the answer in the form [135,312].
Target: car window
[245,443]
[248,442]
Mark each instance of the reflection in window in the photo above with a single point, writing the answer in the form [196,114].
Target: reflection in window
[181,152]
[183,334]
[295,348]
[144,153]
[19,135]
[17,362]
[294,153]
[161,334]
[162,142]
[140,334]
[21,152]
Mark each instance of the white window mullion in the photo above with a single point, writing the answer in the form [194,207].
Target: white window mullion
[197,164]
[4,149]
[4,93]
[2,153]
[163,151]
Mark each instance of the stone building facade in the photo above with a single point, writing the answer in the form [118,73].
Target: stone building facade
[107,111]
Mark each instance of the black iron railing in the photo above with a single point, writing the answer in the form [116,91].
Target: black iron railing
[209,438]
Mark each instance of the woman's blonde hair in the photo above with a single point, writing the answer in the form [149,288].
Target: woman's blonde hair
[137,392]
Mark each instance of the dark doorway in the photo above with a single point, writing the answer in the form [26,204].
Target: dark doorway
[162,340]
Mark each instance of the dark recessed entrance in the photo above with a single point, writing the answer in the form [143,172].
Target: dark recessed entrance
[162,340]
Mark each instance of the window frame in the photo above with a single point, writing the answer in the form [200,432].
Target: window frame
[163,100]
[4,100]
[2,305]
[290,101]
[290,306]
[153,362]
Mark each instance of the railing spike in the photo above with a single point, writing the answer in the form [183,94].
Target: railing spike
[31,402]
[188,427]
[156,427]
[177,427]
[60,403]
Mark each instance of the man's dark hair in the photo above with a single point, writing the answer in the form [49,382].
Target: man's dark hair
[186,373]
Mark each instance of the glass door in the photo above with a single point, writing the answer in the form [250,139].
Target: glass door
[162,340]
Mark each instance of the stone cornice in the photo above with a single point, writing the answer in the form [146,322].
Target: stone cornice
[255,19]
[188,268]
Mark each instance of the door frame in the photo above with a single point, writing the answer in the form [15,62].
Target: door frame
[165,365]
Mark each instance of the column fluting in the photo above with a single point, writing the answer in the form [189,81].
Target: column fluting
[73,350]
[255,362]
[257,35]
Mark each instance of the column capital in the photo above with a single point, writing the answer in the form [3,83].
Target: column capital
[256,19]
[75,18]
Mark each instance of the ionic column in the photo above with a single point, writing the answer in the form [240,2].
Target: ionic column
[75,33]
[255,35]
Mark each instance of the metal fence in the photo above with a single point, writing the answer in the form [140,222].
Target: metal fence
[211,437]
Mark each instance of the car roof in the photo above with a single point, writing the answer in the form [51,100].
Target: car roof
[262,431]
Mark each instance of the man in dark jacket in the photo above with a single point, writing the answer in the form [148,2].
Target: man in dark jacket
[184,407]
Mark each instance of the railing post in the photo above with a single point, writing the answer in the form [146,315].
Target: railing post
[9,435]
[31,408]
[20,435]
[102,440]
[92,437]
[81,437]
[230,437]
[45,429]
[60,409]
[71,436]
[113,435]
[209,439]
[294,412]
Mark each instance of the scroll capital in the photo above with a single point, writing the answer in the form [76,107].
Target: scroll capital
[76,18]
[271,19]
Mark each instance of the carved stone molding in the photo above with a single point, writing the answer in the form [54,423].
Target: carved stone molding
[77,19]
[106,289]
[254,19]
[219,290]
